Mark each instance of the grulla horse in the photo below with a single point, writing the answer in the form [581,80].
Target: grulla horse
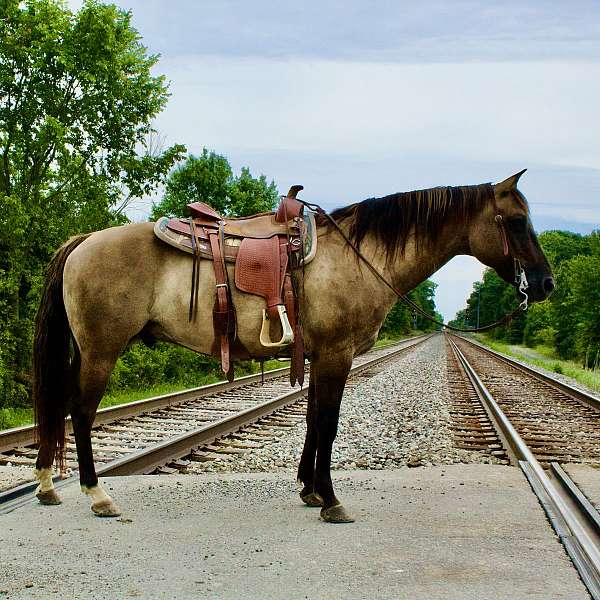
[106,289]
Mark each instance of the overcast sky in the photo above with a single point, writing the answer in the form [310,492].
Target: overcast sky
[359,99]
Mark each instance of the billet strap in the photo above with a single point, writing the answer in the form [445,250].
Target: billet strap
[504,320]
[297,353]
[195,271]
[221,311]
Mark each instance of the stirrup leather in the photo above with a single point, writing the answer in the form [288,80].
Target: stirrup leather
[288,333]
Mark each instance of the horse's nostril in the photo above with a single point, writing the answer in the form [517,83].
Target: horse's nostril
[548,284]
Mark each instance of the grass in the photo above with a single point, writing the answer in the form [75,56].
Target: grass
[15,417]
[545,357]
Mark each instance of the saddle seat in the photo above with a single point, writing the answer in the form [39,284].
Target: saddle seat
[265,248]
[177,231]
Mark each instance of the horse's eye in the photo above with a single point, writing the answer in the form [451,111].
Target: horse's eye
[517,224]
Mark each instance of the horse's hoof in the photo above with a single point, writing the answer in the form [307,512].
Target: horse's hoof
[336,514]
[312,499]
[106,508]
[49,498]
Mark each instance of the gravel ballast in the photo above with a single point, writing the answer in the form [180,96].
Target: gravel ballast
[396,418]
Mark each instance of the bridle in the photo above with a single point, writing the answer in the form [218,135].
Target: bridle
[520,277]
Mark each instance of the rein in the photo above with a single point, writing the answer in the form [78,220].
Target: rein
[520,277]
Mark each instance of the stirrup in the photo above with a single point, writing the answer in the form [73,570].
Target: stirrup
[288,334]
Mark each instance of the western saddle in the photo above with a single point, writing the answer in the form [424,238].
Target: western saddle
[266,248]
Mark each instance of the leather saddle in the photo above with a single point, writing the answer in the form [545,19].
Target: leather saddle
[265,248]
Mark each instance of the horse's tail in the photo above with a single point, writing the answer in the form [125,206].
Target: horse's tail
[52,366]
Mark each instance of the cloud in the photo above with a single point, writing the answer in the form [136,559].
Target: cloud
[380,30]
[419,118]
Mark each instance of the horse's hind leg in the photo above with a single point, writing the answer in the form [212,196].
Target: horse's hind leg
[93,378]
[45,491]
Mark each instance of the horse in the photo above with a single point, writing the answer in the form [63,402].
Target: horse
[106,289]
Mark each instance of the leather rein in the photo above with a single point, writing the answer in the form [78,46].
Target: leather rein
[520,278]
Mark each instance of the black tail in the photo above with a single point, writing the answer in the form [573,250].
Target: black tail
[53,377]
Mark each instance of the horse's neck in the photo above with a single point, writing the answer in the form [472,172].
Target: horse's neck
[409,269]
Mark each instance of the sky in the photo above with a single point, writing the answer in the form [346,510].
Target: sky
[363,99]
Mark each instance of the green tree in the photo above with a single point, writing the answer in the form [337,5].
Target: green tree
[559,246]
[570,320]
[401,319]
[576,309]
[77,99]
[209,178]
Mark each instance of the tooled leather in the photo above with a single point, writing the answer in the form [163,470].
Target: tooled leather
[259,270]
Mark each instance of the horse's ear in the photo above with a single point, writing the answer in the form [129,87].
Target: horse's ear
[511,182]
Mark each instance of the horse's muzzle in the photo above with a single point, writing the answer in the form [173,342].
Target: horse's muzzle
[548,285]
[539,287]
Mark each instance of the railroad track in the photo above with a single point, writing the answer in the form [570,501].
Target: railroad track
[154,435]
[528,419]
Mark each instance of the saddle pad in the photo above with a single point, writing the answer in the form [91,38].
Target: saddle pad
[260,267]
[175,232]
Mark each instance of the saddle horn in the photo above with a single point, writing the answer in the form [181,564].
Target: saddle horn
[294,191]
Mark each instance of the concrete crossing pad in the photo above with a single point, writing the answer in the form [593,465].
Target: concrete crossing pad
[453,532]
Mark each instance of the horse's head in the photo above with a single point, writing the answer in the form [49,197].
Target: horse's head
[502,237]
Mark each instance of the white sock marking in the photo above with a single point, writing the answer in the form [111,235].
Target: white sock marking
[44,476]
[96,493]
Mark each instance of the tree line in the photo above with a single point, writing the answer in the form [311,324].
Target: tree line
[569,321]
[78,96]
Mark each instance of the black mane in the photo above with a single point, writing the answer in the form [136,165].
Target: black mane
[391,219]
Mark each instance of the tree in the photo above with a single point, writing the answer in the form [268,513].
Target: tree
[209,178]
[576,309]
[570,320]
[559,246]
[77,99]
[401,319]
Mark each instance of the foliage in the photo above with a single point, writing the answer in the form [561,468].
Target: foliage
[210,179]
[77,99]
[401,320]
[142,367]
[569,321]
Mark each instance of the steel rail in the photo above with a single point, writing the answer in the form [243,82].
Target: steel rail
[581,541]
[25,435]
[146,460]
[576,393]
[576,494]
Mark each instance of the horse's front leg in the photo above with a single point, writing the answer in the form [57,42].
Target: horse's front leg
[330,378]
[306,468]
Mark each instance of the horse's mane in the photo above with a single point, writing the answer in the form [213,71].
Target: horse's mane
[392,218]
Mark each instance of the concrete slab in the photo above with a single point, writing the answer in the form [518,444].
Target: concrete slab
[587,479]
[456,532]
